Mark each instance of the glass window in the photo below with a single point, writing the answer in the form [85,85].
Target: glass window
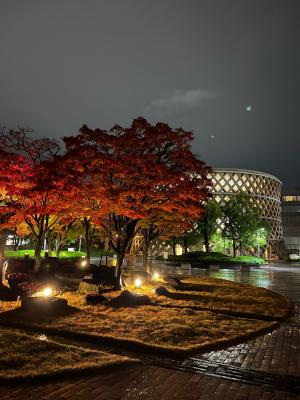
[291,198]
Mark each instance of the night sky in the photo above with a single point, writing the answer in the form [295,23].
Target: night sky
[229,70]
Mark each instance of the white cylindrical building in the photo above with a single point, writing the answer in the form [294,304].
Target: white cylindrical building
[265,190]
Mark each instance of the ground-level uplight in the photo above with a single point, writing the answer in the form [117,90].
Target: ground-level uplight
[43,338]
[47,292]
[137,282]
[156,275]
[83,261]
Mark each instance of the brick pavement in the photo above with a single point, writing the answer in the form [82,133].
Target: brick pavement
[144,383]
[277,352]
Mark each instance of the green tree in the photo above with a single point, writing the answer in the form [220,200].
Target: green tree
[191,238]
[259,237]
[241,218]
[207,226]
[219,243]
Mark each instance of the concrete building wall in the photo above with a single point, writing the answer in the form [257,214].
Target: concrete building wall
[291,219]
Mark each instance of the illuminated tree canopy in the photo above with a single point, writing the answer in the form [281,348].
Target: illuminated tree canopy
[123,181]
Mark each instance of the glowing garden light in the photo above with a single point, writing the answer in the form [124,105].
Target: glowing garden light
[47,292]
[83,261]
[156,275]
[138,282]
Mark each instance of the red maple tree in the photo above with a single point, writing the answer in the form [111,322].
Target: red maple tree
[42,198]
[131,173]
[15,175]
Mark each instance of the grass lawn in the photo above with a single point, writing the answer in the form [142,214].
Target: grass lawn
[213,257]
[27,356]
[63,254]
[171,324]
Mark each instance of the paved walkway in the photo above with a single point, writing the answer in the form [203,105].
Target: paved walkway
[267,367]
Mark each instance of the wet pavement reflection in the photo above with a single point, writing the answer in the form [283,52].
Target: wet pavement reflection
[277,352]
[283,278]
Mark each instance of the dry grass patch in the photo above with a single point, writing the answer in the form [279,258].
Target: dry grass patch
[179,330]
[24,356]
[200,316]
[229,297]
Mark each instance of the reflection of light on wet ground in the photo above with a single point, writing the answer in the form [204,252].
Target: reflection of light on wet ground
[283,277]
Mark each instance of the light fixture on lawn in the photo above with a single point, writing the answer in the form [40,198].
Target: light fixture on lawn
[156,275]
[137,282]
[47,292]
[83,261]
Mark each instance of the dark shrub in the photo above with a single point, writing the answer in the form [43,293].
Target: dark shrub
[53,265]
[30,288]
[7,294]
[16,265]
[16,278]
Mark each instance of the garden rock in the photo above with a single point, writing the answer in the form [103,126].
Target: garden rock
[161,291]
[94,299]
[129,299]
[173,282]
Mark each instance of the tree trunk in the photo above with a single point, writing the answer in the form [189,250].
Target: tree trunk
[16,243]
[118,272]
[174,249]
[3,237]
[100,262]
[205,234]
[146,244]
[49,246]
[37,254]
[59,248]
[145,257]
[206,241]
[185,246]
[87,240]
[234,248]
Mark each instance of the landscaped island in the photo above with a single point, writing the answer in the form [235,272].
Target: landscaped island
[201,314]
[202,257]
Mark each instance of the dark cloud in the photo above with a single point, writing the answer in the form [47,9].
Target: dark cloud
[196,64]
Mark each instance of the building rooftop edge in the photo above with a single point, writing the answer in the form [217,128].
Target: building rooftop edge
[246,171]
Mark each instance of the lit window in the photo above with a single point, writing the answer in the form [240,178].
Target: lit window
[291,198]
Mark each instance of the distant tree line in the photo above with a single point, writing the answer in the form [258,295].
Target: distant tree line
[237,223]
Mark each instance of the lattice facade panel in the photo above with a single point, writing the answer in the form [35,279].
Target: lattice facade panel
[264,189]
